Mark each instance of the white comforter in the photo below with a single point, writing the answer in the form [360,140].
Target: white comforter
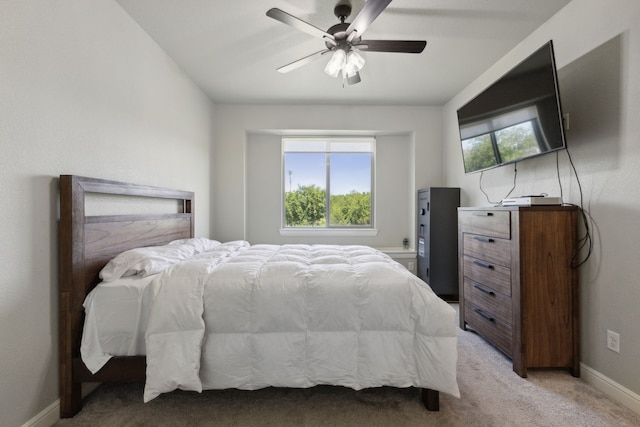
[297,316]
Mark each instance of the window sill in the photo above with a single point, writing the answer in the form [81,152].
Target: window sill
[328,232]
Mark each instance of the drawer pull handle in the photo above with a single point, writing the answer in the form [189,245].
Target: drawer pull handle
[483,214]
[483,264]
[485,315]
[483,239]
[486,291]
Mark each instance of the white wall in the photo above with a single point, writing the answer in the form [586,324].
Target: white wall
[83,90]
[247,171]
[597,46]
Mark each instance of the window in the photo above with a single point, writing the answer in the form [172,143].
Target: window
[328,182]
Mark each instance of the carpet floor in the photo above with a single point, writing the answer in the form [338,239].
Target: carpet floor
[492,395]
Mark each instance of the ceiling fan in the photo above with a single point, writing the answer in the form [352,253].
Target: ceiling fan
[345,40]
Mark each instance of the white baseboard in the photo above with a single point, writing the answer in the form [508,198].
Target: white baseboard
[51,414]
[615,391]
[47,417]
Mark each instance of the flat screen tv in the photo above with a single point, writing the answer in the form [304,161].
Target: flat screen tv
[517,117]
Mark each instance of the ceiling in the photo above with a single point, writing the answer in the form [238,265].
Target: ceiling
[231,49]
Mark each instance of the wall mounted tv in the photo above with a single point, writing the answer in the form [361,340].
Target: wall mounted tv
[517,117]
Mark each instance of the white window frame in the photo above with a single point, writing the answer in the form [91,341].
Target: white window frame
[329,145]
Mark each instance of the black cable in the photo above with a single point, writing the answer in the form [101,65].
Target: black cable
[583,241]
[586,240]
[484,192]
[558,174]
[515,174]
[576,174]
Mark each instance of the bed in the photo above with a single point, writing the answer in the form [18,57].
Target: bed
[281,339]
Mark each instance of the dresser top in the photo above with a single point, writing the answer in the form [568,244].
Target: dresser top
[519,208]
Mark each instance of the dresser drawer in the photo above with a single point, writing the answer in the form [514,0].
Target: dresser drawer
[486,223]
[488,300]
[491,249]
[493,276]
[490,327]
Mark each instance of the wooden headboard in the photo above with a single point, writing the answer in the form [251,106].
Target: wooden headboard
[86,244]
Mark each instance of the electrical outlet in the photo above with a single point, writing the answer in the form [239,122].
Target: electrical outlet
[613,341]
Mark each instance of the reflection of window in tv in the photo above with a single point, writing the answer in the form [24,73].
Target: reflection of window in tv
[503,138]
[519,141]
[479,152]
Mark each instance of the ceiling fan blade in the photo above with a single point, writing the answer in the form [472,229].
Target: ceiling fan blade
[367,15]
[400,46]
[297,23]
[304,61]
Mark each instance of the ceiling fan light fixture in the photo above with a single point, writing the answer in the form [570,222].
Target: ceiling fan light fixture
[353,78]
[349,71]
[336,63]
[355,60]
[352,66]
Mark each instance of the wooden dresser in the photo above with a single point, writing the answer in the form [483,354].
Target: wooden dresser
[517,287]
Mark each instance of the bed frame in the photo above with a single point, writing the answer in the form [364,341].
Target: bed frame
[87,243]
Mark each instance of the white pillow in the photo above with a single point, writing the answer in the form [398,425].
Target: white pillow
[200,244]
[145,261]
[236,244]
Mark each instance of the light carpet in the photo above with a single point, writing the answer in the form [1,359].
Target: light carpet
[492,395]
